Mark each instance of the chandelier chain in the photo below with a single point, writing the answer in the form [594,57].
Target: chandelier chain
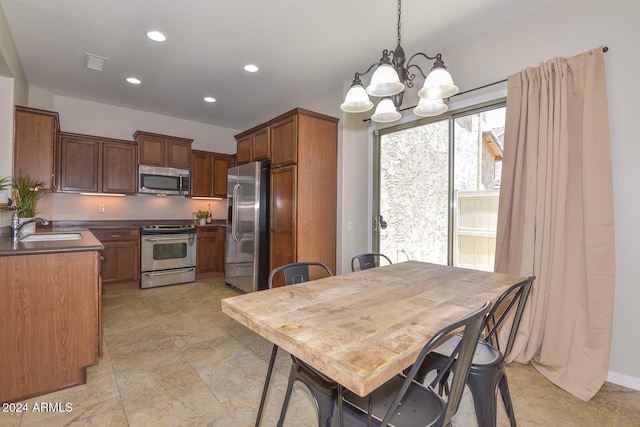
[399,14]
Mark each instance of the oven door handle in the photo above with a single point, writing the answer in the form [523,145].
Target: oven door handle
[164,239]
[174,271]
[234,214]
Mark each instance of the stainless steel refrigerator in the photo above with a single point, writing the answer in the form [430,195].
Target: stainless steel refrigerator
[247,247]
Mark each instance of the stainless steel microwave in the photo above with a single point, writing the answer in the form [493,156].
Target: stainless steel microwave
[164,181]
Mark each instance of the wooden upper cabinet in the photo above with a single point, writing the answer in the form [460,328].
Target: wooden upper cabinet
[97,165]
[163,150]
[201,174]
[151,150]
[79,163]
[178,154]
[284,140]
[35,149]
[245,150]
[119,167]
[209,174]
[221,165]
[261,144]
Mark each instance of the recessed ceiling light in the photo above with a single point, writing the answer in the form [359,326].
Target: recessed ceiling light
[251,68]
[134,81]
[209,99]
[156,36]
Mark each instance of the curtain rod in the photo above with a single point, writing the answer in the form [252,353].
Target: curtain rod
[605,49]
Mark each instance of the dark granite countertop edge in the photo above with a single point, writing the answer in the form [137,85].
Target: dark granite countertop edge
[88,243]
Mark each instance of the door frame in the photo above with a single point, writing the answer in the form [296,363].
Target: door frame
[375,190]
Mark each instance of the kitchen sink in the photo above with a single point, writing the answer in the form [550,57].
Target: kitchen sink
[47,237]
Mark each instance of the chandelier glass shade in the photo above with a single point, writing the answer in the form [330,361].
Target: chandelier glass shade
[386,112]
[393,74]
[430,107]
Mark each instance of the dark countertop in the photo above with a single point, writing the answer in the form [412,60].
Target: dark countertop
[88,243]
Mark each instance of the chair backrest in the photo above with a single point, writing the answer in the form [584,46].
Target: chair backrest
[462,356]
[514,297]
[369,260]
[297,272]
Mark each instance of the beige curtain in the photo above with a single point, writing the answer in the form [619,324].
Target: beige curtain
[555,218]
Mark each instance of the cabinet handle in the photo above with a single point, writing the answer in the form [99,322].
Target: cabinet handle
[101,258]
[115,235]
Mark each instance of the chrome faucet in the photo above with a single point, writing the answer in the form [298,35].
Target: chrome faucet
[16,226]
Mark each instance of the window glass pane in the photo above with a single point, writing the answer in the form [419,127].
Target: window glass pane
[478,141]
[414,193]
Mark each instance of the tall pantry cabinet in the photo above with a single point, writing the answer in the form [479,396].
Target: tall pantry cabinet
[303,154]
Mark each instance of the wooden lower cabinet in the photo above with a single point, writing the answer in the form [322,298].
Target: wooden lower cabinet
[50,323]
[120,262]
[210,252]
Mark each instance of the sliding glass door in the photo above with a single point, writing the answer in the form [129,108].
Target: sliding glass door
[436,188]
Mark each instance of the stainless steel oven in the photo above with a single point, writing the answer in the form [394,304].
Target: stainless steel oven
[167,255]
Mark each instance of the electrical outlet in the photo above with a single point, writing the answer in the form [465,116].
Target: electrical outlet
[101,208]
[349,225]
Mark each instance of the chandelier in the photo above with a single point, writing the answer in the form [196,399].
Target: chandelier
[393,73]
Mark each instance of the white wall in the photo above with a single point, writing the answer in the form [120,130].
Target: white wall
[6,138]
[93,118]
[10,64]
[564,29]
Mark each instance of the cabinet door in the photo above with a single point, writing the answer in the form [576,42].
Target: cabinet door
[202,177]
[245,150]
[284,141]
[36,135]
[120,266]
[283,217]
[79,164]
[119,167]
[220,242]
[178,154]
[220,169]
[261,145]
[151,150]
[207,250]
[121,262]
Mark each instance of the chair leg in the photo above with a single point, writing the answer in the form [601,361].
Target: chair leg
[483,389]
[272,360]
[287,396]
[506,399]
[326,405]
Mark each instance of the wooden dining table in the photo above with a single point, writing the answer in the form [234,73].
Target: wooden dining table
[361,329]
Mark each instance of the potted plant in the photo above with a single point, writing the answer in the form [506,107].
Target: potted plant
[202,217]
[26,192]
[4,184]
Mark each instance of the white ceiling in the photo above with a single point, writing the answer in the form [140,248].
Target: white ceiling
[303,48]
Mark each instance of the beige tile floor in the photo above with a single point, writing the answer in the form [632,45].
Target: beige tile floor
[172,358]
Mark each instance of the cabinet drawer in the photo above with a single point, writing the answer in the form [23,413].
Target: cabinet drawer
[116,235]
[209,232]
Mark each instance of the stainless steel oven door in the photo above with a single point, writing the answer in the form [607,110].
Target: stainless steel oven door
[167,251]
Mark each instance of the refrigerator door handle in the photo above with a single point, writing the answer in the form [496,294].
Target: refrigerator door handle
[234,225]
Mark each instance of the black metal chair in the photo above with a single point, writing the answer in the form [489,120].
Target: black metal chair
[404,402]
[487,374]
[368,260]
[323,390]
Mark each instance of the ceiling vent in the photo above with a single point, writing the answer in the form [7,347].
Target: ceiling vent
[94,62]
